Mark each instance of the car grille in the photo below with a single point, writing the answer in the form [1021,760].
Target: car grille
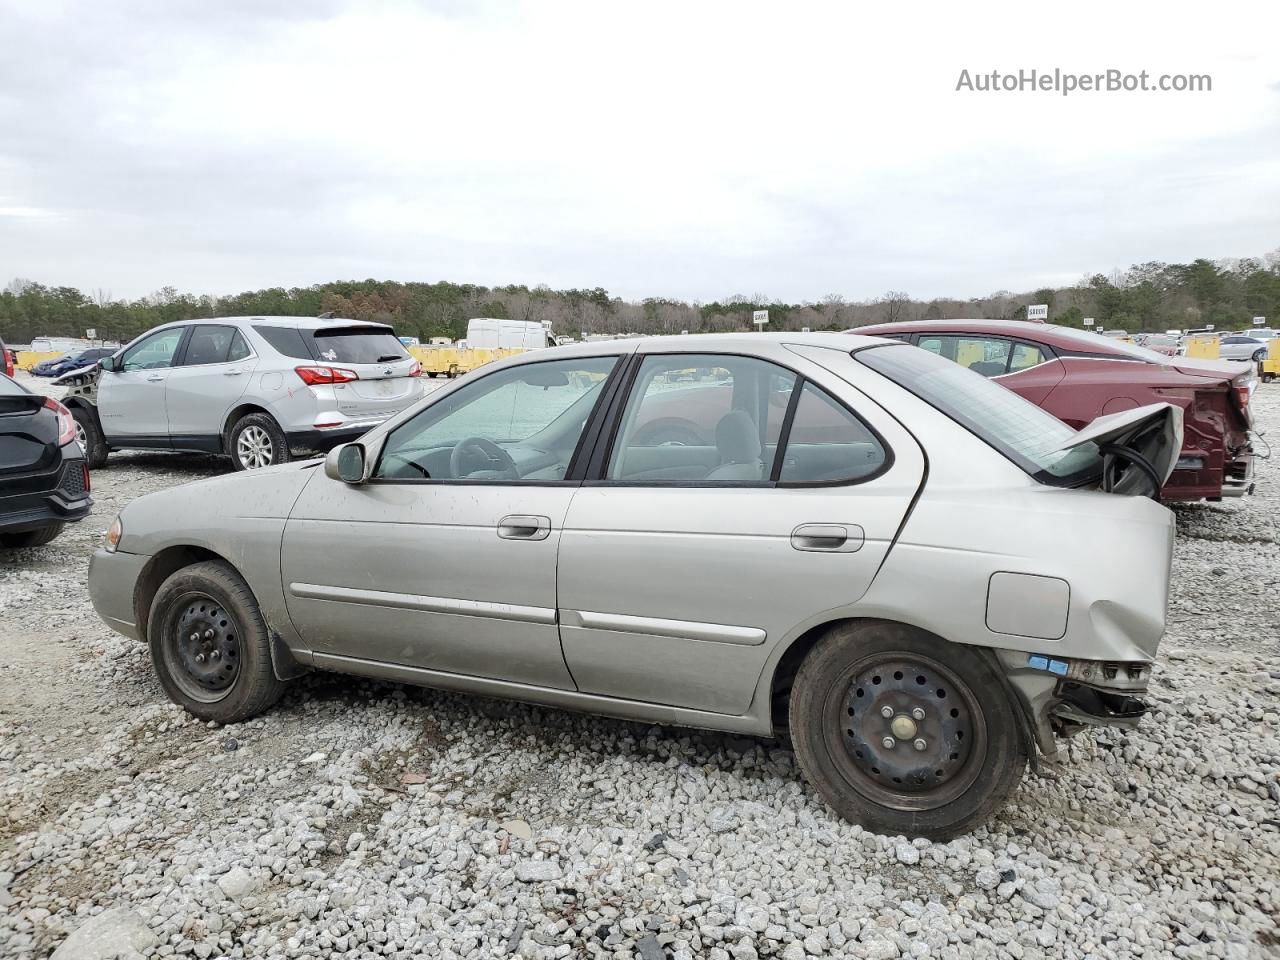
[73,485]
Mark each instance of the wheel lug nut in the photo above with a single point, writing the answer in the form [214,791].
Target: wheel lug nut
[215,654]
[208,634]
[888,743]
[918,713]
[919,743]
[199,658]
[886,711]
[195,637]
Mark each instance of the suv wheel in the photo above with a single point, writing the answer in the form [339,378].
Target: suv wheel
[210,646]
[903,732]
[89,436]
[257,441]
[31,538]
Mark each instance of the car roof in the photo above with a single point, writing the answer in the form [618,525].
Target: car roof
[711,343]
[1068,338]
[296,323]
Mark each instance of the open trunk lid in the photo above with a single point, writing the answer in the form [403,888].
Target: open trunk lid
[1130,438]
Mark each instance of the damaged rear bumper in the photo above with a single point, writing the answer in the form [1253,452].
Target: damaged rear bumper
[1062,696]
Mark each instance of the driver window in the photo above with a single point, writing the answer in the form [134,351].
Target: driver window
[153,352]
[518,424]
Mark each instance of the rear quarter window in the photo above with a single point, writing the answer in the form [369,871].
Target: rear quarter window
[287,341]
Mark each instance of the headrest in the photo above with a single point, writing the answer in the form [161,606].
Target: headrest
[737,439]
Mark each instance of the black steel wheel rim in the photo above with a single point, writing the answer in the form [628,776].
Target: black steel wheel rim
[203,647]
[905,731]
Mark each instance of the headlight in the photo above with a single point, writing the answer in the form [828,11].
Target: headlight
[114,533]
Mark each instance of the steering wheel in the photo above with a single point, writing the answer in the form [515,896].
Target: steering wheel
[499,461]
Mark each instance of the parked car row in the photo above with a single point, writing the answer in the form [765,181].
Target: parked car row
[726,531]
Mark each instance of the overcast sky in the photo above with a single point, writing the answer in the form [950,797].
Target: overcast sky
[691,149]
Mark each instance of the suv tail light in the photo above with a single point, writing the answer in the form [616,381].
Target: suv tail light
[66,422]
[8,361]
[416,369]
[312,376]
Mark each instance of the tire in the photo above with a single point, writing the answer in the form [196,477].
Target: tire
[256,441]
[432,374]
[946,788]
[89,434]
[1259,356]
[1268,377]
[31,538]
[211,602]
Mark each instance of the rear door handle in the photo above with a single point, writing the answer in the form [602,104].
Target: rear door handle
[828,537]
[232,373]
[520,527]
[156,377]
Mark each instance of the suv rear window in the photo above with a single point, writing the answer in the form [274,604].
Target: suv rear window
[1015,427]
[358,345]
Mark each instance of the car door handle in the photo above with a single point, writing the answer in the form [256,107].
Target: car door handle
[232,373]
[155,377]
[828,537]
[524,528]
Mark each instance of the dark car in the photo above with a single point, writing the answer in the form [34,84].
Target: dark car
[44,479]
[1079,376]
[71,361]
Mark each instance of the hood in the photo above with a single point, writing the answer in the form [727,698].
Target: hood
[1153,432]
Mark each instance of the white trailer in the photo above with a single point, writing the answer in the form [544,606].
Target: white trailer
[488,333]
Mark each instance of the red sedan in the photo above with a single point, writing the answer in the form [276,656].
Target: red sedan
[1080,376]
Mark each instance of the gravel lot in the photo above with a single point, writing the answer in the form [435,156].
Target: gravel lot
[366,819]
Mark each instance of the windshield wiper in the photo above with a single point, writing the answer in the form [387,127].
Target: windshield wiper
[389,357]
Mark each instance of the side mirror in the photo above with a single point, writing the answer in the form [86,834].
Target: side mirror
[345,463]
[109,363]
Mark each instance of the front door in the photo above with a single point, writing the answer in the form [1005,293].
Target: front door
[446,559]
[728,476]
[211,374]
[131,400]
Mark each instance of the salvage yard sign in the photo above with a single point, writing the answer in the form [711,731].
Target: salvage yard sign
[1037,311]
[760,318]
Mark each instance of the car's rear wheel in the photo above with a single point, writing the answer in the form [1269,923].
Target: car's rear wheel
[89,436]
[31,538]
[210,646]
[256,441]
[903,732]
[1259,355]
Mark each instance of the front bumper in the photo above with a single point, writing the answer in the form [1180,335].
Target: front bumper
[113,578]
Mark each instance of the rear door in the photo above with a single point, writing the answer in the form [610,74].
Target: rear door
[385,384]
[131,400]
[210,376]
[686,560]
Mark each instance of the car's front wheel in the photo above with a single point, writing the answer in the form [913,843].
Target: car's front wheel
[210,646]
[903,732]
[256,441]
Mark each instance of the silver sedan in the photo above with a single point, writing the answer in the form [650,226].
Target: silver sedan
[918,576]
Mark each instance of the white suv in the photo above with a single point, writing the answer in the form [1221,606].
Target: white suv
[255,388]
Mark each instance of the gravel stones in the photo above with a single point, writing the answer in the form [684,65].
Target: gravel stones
[112,934]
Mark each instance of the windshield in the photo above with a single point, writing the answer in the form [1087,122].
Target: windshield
[359,345]
[1015,427]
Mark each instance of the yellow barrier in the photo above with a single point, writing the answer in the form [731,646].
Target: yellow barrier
[453,362]
[1203,347]
[1270,366]
[26,359]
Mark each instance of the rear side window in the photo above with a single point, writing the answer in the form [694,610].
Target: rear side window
[1024,356]
[984,355]
[239,348]
[359,345]
[827,443]
[1015,427]
[286,341]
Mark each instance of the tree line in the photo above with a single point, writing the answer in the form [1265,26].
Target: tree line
[1146,297]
